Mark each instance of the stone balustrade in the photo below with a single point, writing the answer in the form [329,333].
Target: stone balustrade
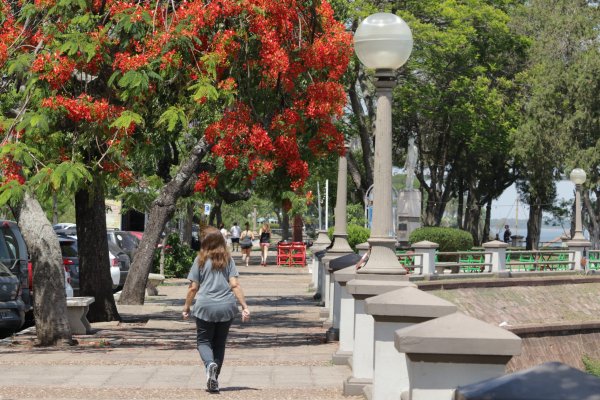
[450,351]
[362,352]
[392,311]
[346,317]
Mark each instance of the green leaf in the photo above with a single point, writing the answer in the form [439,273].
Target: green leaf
[114,76]
[125,120]
[171,117]
[203,89]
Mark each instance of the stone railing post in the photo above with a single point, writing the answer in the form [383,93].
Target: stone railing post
[427,250]
[362,351]
[348,260]
[392,311]
[498,255]
[319,244]
[346,317]
[579,248]
[452,351]
[362,248]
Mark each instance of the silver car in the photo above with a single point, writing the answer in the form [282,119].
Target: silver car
[12,308]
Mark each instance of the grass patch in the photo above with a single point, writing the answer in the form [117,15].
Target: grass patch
[592,366]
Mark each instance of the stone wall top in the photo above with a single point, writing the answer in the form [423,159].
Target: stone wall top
[409,302]
[457,334]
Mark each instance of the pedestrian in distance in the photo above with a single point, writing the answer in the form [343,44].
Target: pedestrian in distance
[246,238]
[507,234]
[235,233]
[265,241]
[224,232]
[214,278]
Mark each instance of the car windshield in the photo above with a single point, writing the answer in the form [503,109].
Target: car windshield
[114,249]
[68,248]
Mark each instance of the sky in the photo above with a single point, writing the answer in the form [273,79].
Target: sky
[505,205]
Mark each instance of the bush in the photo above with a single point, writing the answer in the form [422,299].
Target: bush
[356,235]
[592,366]
[449,239]
[178,258]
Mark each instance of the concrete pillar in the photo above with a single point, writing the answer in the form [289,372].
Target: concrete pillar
[340,244]
[579,248]
[362,351]
[348,260]
[452,351]
[427,250]
[346,318]
[382,258]
[392,311]
[362,248]
[320,244]
[498,256]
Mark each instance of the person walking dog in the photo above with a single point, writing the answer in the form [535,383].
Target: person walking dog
[214,278]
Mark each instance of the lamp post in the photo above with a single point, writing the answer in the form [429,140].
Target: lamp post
[383,42]
[578,176]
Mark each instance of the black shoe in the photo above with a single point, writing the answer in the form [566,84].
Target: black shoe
[211,382]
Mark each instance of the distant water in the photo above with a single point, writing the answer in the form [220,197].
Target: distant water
[548,234]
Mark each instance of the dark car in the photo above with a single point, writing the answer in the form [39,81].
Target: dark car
[12,308]
[125,240]
[118,261]
[68,248]
[14,255]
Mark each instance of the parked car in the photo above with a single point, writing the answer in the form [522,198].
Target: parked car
[68,248]
[65,229]
[118,259]
[12,308]
[14,255]
[63,225]
[125,240]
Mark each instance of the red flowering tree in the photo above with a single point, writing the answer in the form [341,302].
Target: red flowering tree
[93,91]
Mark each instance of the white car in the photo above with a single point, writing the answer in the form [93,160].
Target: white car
[63,225]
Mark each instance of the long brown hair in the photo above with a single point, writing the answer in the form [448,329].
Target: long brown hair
[213,247]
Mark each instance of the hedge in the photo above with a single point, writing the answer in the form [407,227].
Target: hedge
[449,239]
[356,235]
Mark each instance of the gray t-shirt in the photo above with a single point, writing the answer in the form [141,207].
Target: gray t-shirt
[215,301]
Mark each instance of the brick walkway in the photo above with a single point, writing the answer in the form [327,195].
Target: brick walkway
[152,355]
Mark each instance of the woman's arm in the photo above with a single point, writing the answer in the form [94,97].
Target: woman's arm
[191,293]
[239,295]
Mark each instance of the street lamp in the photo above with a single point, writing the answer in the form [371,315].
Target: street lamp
[383,42]
[577,176]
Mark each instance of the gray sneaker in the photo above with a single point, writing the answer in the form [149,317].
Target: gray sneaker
[211,378]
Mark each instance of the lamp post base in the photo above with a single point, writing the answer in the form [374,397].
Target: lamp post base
[383,259]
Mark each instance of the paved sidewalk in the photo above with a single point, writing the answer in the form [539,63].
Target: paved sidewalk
[151,354]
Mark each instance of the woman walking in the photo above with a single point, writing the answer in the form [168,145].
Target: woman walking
[265,241]
[246,238]
[215,278]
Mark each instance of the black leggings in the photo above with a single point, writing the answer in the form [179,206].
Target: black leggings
[210,340]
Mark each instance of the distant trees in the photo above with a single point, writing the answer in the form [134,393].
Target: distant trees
[558,128]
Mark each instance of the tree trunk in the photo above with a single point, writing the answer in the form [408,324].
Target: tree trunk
[474,216]
[534,225]
[593,217]
[186,234]
[460,209]
[161,211]
[215,213]
[285,224]
[50,306]
[488,222]
[297,229]
[92,246]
